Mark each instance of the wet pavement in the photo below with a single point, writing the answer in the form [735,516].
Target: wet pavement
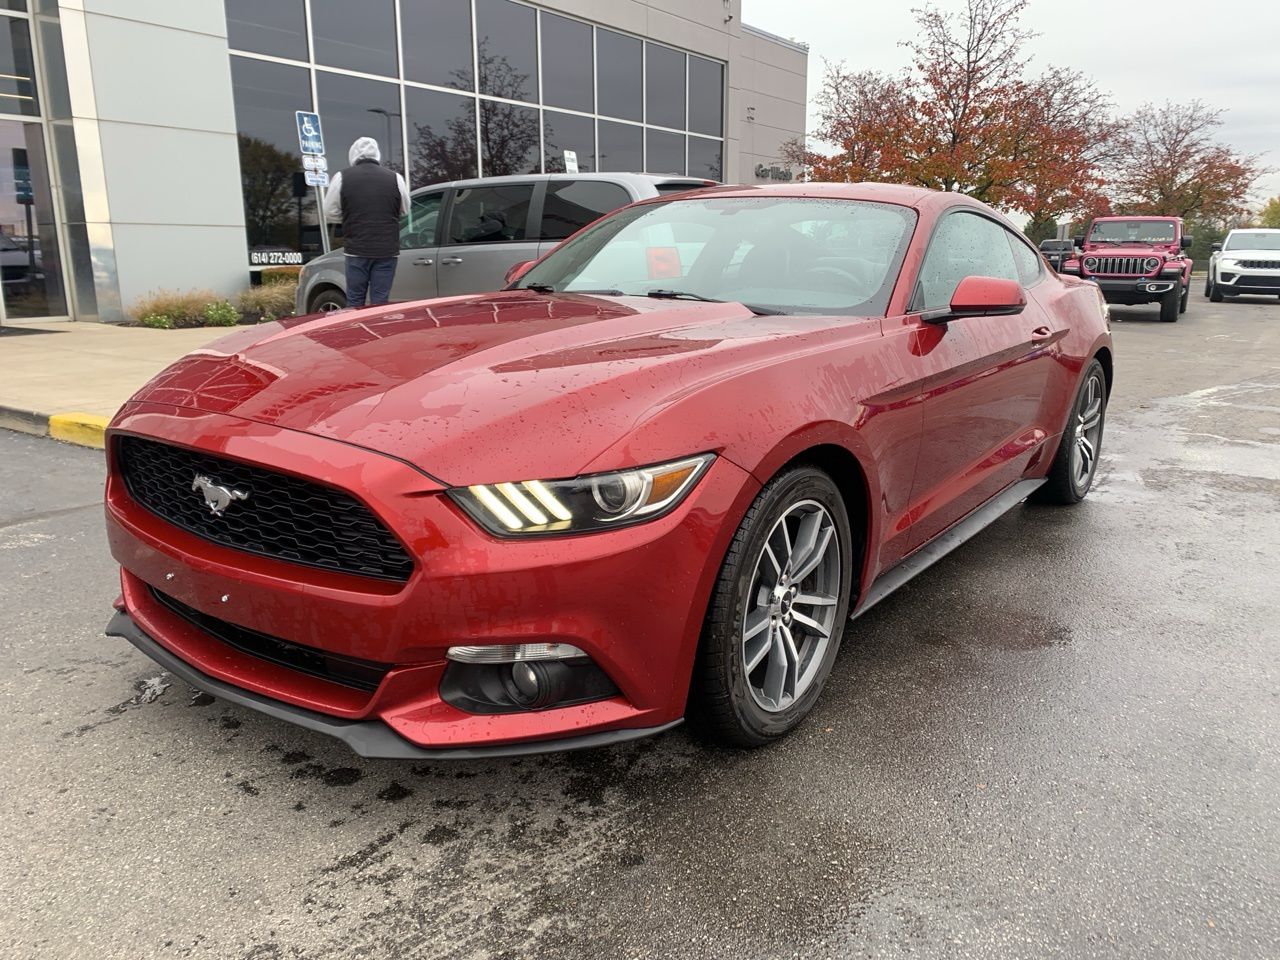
[1062,741]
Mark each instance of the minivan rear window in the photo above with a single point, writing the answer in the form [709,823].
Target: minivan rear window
[571,204]
[681,186]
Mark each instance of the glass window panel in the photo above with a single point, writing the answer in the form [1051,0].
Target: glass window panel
[568,131]
[965,245]
[664,152]
[508,139]
[355,36]
[566,63]
[277,28]
[57,94]
[30,260]
[277,219]
[442,136]
[706,158]
[1027,260]
[508,49]
[706,96]
[353,107]
[17,70]
[418,228]
[664,86]
[436,36]
[621,148]
[571,204]
[619,75]
[490,214]
[13,5]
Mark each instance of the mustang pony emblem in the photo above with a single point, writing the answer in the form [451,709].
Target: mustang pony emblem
[216,496]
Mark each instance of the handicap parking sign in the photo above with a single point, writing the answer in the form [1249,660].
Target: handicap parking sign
[310,138]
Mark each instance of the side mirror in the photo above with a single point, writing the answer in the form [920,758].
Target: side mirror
[982,297]
[1215,248]
[1078,240]
[518,270]
[1187,242]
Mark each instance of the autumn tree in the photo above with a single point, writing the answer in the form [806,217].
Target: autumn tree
[968,117]
[1270,215]
[1168,162]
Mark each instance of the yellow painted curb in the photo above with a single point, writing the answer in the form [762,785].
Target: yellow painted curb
[85,429]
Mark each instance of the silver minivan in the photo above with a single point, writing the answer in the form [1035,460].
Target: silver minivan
[463,237]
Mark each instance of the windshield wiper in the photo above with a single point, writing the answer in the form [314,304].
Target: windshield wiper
[539,287]
[680,295]
[685,295]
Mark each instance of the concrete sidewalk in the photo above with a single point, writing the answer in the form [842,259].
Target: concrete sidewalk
[66,379]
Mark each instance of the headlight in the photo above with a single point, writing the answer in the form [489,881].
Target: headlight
[1150,263]
[1091,263]
[583,504]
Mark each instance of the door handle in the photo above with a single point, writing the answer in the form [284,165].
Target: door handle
[450,261]
[1041,334]
[424,261]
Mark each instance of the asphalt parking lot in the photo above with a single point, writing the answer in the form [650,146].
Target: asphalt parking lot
[1062,741]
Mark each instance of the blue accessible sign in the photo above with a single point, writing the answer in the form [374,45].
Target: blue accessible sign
[310,139]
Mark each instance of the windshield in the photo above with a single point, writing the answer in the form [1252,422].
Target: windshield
[1254,241]
[1132,231]
[784,254]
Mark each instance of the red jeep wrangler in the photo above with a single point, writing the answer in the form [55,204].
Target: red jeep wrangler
[1136,260]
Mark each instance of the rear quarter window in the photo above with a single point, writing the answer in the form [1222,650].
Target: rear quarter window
[572,204]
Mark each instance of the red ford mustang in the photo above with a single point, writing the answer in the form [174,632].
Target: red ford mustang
[655,476]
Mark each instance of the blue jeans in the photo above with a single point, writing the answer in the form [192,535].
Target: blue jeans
[371,275]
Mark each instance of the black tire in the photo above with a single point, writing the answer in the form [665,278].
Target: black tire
[1169,306]
[1065,486]
[1186,295]
[1215,291]
[327,300]
[721,703]
[1208,287]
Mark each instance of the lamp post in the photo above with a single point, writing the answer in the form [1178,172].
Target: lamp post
[388,115]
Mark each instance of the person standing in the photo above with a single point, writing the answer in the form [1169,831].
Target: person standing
[369,199]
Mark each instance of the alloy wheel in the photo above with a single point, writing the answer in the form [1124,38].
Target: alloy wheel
[1088,438]
[791,608]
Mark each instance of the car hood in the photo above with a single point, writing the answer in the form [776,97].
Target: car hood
[478,389]
[1250,254]
[1129,250]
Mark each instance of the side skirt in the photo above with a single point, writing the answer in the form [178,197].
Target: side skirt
[954,536]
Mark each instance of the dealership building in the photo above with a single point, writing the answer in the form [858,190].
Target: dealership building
[150,144]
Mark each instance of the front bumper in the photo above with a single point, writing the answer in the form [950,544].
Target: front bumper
[1237,280]
[1134,289]
[368,738]
[634,599]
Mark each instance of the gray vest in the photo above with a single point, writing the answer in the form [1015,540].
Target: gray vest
[370,210]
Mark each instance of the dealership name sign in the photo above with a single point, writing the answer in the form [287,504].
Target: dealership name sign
[766,172]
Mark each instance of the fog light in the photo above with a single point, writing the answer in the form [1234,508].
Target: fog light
[534,684]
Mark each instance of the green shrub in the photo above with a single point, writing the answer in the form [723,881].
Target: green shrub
[221,313]
[181,308]
[273,275]
[271,301]
[156,320]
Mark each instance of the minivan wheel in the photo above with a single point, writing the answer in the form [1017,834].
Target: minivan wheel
[327,301]
[777,612]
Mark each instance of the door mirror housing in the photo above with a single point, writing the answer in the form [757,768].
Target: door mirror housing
[1187,242]
[1078,239]
[1215,248]
[518,270]
[981,297]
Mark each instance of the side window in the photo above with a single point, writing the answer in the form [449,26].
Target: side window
[418,226]
[571,204]
[494,214]
[1026,260]
[965,245]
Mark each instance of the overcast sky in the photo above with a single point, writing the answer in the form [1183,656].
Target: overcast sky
[1225,53]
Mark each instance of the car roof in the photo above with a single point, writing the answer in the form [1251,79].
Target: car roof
[1253,230]
[632,179]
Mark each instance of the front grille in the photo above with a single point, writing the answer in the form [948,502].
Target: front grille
[282,517]
[1121,266]
[1266,283]
[1260,264]
[349,671]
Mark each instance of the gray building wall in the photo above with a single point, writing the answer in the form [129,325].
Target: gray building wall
[150,98]
[156,199]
